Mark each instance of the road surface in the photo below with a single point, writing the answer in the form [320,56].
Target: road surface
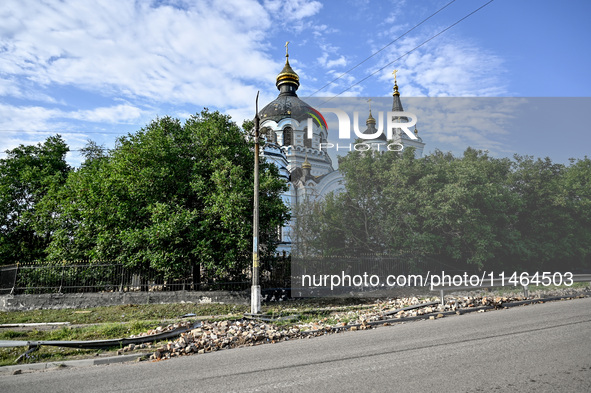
[541,348]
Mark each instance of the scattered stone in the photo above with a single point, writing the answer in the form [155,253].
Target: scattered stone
[213,336]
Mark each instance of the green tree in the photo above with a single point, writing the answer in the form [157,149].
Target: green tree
[471,210]
[169,197]
[545,225]
[576,199]
[26,176]
[457,209]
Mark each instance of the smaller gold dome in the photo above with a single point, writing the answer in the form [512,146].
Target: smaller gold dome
[370,119]
[306,164]
[287,75]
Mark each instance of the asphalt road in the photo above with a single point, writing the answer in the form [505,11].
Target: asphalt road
[541,348]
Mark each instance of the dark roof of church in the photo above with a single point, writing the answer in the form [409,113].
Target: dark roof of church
[286,106]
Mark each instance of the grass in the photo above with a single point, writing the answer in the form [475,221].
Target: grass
[8,356]
[83,333]
[96,324]
[123,313]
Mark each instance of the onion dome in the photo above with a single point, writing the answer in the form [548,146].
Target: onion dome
[287,104]
[371,128]
[370,119]
[306,164]
[287,76]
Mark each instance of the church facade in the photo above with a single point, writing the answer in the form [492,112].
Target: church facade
[304,162]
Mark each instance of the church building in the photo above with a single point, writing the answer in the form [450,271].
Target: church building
[304,162]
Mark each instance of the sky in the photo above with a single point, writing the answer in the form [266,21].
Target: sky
[98,70]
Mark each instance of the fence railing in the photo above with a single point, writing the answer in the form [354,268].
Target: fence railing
[69,277]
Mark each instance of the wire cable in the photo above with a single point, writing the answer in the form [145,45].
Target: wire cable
[409,52]
[375,53]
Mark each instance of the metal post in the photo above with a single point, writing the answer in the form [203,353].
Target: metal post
[255,291]
[15,278]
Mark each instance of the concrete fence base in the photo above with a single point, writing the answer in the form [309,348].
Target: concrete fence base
[87,300]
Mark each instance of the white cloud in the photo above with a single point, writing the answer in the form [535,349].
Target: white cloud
[293,10]
[342,85]
[444,67]
[394,15]
[292,15]
[202,53]
[340,62]
[33,124]
[67,66]
[331,51]
[38,118]
[456,123]
[114,114]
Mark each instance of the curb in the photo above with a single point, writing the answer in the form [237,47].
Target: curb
[6,370]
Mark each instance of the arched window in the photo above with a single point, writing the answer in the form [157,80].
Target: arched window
[270,135]
[287,136]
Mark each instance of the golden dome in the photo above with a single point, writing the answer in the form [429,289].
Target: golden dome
[306,164]
[370,119]
[287,75]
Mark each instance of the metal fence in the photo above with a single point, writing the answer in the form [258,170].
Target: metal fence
[85,276]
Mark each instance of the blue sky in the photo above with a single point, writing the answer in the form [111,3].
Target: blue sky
[98,70]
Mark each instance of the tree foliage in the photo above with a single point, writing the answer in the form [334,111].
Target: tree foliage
[27,175]
[169,197]
[473,210]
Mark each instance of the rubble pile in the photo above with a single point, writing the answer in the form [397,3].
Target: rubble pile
[212,336]
[384,310]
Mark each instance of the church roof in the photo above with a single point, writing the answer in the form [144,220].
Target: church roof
[397,106]
[396,103]
[287,104]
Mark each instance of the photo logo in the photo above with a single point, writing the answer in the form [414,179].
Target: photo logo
[345,124]
[319,120]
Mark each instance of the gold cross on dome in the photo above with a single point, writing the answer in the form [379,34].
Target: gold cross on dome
[369,101]
[286,44]
[394,73]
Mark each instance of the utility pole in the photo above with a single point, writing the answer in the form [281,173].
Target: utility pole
[255,290]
